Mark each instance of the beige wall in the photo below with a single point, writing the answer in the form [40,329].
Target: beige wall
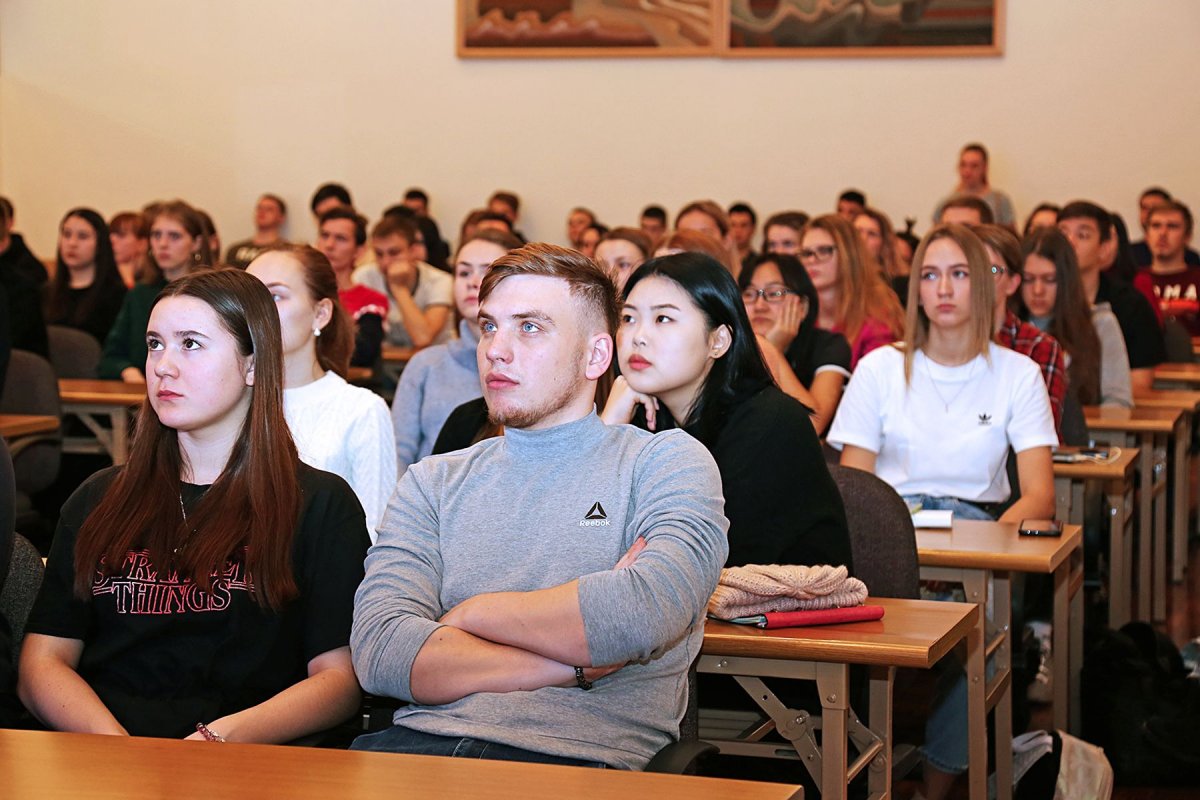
[115,103]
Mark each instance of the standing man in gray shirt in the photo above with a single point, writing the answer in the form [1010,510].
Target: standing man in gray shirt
[541,595]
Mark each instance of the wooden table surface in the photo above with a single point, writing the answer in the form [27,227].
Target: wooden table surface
[1110,469]
[994,545]
[1188,399]
[912,633]
[25,424]
[1181,373]
[95,392]
[1133,420]
[37,764]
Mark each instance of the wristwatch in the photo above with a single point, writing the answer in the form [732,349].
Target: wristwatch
[580,681]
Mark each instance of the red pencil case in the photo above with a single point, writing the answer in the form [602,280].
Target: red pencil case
[802,619]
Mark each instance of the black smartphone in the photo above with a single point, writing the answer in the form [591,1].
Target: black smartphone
[1040,527]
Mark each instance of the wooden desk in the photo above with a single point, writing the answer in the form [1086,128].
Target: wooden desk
[1074,484]
[972,552]
[15,425]
[1152,430]
[89,399]
[912,633]
[37,764]
[1181,474]
[1177,376]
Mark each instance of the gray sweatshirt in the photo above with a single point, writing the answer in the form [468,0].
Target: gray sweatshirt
[536,509]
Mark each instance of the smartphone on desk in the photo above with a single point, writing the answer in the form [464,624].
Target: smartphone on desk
[1040,527]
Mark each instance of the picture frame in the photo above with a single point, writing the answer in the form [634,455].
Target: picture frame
[588,28]
[729,28]
[863,28]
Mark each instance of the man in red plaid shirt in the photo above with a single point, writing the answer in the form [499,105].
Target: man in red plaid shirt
[1004,251]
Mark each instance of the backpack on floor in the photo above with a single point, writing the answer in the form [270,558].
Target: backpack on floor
[1140,706]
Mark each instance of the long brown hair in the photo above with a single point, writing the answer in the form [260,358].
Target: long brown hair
[983,293]
[336,342]
[863,292]
[255,502]
[1072,323]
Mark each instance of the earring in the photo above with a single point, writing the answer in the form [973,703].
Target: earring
[316,331]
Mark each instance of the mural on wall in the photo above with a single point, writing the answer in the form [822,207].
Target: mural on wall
[586,27]
[863,27]
[729,28]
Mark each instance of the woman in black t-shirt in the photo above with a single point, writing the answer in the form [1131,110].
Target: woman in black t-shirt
[783,307]
[690,359]
[204,589]
[87,291]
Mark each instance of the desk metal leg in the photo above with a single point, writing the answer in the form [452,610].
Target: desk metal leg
[1158,575]
[833,682]
[120,436]
[1063,506]
[1145,528]
[879,776]
[1120,551]
[1002,682]
[976,712]
[1059,644]
[1075,590]
[1182,479]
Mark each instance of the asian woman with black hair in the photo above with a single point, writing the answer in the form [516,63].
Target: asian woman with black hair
[782,304]
[689,359]
[205,588]
[87,290]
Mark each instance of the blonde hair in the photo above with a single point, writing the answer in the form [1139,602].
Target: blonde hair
[983,293]
[863,293]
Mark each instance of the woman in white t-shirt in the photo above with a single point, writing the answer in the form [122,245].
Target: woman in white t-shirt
[935,417]
[340,428]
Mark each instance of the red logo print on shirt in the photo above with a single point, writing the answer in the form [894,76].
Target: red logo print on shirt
[140,589]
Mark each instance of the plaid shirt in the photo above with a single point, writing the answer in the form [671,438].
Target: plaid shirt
[1045,350]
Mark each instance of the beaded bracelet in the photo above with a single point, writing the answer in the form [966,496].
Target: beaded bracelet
[209,736]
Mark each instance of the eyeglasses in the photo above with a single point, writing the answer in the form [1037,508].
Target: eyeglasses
[818,253]
[998,270]
[772,293]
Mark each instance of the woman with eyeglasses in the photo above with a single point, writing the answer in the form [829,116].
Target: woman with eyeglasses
[855,299]
[1053,300]
[935,418]
[782,304]
[689,359]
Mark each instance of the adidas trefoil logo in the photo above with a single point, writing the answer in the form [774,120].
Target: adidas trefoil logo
[595,517]
[985,419]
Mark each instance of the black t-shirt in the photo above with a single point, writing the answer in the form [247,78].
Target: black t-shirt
[162,655]
[1139,323]
[783,505]
[461,429]
[827,350]
[91,312]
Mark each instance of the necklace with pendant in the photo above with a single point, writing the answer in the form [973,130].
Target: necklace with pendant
[188,537]
[947,403]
